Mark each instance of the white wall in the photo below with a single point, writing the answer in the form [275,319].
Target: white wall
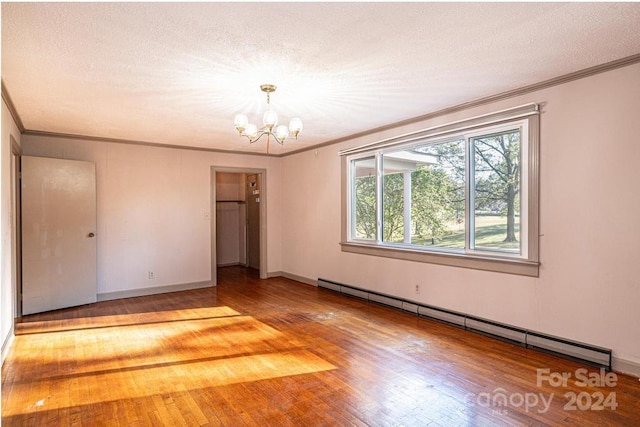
[154,208]
[9,129]
[589,286]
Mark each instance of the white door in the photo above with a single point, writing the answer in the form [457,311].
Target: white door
[58,234]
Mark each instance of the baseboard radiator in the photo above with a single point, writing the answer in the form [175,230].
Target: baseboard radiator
[586,353]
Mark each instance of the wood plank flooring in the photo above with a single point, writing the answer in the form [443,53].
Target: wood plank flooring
[277,352]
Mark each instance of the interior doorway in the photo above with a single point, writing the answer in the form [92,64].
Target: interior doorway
[238,219]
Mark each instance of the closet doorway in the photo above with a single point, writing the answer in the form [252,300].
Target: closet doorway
[238,220]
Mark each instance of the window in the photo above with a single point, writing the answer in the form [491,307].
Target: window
[463,194]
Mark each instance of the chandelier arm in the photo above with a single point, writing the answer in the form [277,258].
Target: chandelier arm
[263,133]
[260,135]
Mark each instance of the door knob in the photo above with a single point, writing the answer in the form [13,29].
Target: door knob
[91,235]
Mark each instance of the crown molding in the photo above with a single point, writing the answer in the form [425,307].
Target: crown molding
[12,108]
[41,133]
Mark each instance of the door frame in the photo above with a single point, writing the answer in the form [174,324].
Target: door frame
[16,228]
[263,217]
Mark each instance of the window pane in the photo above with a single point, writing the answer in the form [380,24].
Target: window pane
[497,192]
[364,204]
[392,202]
[434,201]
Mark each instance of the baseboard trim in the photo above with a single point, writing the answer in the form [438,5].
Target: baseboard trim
[6,346]
[626,367]
[230,264]
[107,296]
[297,278]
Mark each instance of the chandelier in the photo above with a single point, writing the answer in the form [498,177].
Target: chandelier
[270,122]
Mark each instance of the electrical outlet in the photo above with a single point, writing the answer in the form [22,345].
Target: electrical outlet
[151,275]
[417,289]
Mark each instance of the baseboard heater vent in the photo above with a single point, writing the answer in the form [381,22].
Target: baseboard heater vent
[590,354]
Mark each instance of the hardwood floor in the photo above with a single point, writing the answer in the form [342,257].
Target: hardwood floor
[277,352]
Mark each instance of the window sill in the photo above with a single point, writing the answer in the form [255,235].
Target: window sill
[500,265]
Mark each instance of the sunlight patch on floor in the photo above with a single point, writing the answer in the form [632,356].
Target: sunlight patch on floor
[93,360]
[122,320]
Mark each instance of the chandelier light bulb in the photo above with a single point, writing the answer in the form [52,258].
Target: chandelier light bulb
[240,122]
[251,132]
[270,119]
[282,132]
[295,126]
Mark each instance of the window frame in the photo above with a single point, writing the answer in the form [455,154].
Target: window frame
[352,200]
[526,119]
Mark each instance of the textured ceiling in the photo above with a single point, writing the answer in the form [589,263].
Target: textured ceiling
[177,73]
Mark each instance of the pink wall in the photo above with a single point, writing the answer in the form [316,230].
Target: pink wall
[588,289]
